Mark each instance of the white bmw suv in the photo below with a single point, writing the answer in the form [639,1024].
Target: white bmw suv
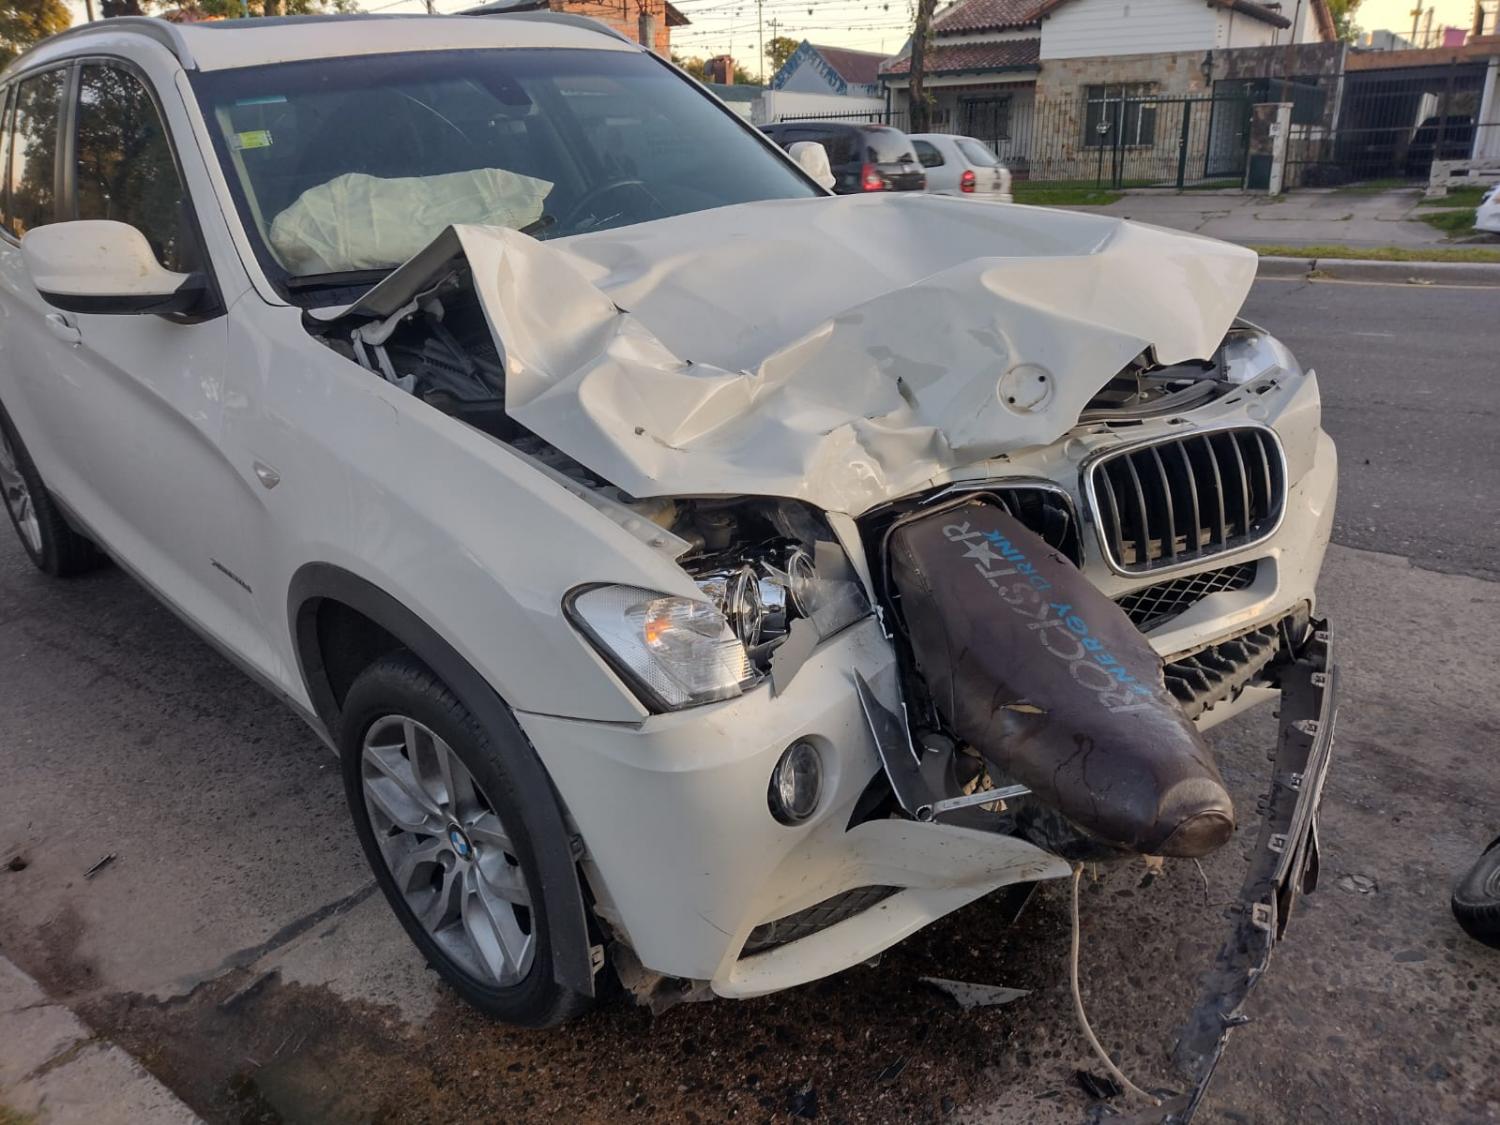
[693,571]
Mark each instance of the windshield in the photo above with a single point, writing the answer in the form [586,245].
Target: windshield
[977,154]
[343,167]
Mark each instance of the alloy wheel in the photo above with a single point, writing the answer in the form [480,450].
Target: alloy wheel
[447,850]
[17,495]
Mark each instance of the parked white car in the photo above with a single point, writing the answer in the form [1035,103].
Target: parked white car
[961,166]
[694,571]
[1487,215]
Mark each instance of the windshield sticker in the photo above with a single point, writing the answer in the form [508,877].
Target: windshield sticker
[252,138]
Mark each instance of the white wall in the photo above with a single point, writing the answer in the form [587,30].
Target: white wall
[1095,28]
[1235,29]
[774,104]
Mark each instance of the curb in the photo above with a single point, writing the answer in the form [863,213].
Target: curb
[1389,273]
[53,1068]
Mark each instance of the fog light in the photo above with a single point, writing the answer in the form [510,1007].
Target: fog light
[796,783]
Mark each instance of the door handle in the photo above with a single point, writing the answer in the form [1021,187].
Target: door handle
[58,325]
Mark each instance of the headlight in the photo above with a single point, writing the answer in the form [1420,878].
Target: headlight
[1249,353]
[761,597]
[678,651]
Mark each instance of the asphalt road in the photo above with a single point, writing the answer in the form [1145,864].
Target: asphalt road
[1411,393]
[234,944]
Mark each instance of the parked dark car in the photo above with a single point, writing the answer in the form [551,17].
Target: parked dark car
[1457,143]
[863,157]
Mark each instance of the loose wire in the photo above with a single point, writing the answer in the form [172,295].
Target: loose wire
[1083,1019]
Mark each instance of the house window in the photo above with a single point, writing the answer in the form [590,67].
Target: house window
[1124,108]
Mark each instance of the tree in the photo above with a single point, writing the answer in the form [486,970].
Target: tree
[780,49]
[921,101]
[233,9]
[1342,12]
[26,22]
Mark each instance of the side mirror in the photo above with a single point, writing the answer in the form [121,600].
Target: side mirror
[103,266]
[812,158]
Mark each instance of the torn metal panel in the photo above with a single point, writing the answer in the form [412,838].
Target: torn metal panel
[883,343]
[970,995]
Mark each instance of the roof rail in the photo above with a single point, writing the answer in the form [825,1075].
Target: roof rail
[160,30]
[507,8]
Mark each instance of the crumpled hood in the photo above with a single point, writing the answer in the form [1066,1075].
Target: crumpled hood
[844,351]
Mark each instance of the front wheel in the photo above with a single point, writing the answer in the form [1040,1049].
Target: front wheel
[440,817]
[1476,899]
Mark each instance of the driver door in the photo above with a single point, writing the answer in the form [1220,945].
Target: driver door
[149,390]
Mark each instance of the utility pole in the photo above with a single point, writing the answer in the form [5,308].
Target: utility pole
[88,9]
[431,10]
[1416,19]
[760,23]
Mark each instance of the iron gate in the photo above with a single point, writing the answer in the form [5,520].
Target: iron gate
[1167,142]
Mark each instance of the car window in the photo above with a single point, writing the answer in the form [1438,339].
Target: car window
[976,154]
[927,154]
[353,164]
[125,170]
[33,154]
[835,141]
[888,146]
[8,100]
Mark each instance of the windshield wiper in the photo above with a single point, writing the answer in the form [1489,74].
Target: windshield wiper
[540,225]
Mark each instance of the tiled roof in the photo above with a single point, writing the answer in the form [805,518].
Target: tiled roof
[858,68]
[1013,54]
[992,15]
[1000,15]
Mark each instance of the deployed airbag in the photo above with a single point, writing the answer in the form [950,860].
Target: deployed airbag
[360,222]
[1049,680]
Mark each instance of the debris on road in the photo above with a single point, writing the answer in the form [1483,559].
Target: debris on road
[1358,884]
[99,866]
[1100,1087]
[971,995]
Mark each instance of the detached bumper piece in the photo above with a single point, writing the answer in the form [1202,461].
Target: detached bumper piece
[1283,865]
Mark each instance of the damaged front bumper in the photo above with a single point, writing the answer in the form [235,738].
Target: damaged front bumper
[690,869]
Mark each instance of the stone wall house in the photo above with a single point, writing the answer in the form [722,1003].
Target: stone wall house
[1052,83]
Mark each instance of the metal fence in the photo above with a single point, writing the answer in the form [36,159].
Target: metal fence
[1120,140]
[1345,127]
[1390,124]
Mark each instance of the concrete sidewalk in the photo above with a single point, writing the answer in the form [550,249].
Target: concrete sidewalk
[1311,217]
[56,1071]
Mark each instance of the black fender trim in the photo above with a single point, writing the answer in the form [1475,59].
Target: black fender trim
[572,964]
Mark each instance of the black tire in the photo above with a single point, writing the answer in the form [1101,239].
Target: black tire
[1476,898]
[57,549]
[400,685]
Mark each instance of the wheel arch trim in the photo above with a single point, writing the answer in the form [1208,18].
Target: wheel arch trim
[314,583]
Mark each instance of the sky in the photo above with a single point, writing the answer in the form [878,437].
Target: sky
[731,26]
